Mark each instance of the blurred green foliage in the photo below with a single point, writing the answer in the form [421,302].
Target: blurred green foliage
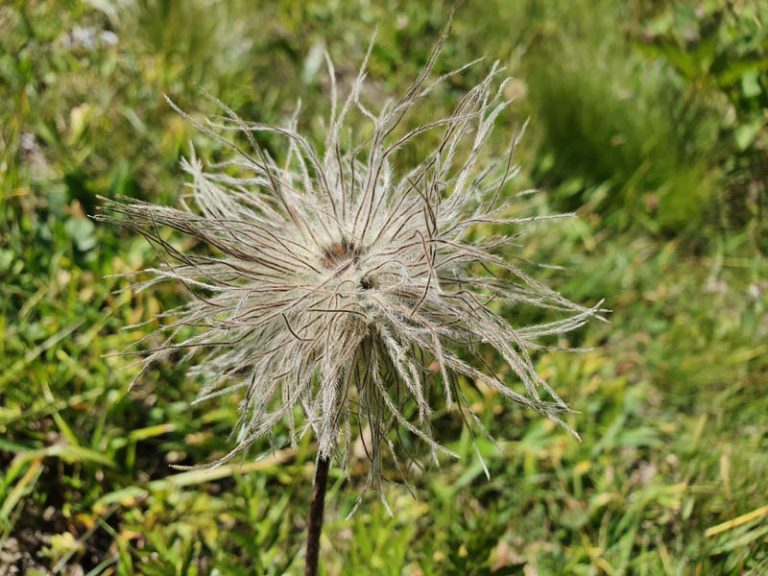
[648,117]
[721,51]
[613,117]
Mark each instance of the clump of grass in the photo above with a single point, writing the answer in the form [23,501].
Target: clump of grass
[610,116]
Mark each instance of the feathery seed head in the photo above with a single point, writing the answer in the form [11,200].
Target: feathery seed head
[338,283]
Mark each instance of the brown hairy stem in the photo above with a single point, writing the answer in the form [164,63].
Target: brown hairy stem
[315,520]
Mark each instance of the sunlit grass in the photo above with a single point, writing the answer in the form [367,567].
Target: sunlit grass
[671,396]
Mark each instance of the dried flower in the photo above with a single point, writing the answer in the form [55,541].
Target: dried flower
[338,283]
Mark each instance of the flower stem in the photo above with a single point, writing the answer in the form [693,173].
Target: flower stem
[315,521]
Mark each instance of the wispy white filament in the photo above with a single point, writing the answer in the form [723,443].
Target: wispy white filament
[336,282]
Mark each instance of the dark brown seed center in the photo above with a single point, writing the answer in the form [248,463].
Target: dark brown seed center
[340,252]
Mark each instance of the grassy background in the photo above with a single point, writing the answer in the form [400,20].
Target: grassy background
[648,117]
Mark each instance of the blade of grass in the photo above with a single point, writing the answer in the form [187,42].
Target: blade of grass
[736,522]
[193,477]
[28,480]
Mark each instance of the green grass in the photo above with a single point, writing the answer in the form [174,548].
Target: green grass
[671,395]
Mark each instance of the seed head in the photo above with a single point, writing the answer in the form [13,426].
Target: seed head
[340,283]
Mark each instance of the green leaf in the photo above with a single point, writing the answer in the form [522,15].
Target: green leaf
[750,84]
[81,231]
[746,133]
